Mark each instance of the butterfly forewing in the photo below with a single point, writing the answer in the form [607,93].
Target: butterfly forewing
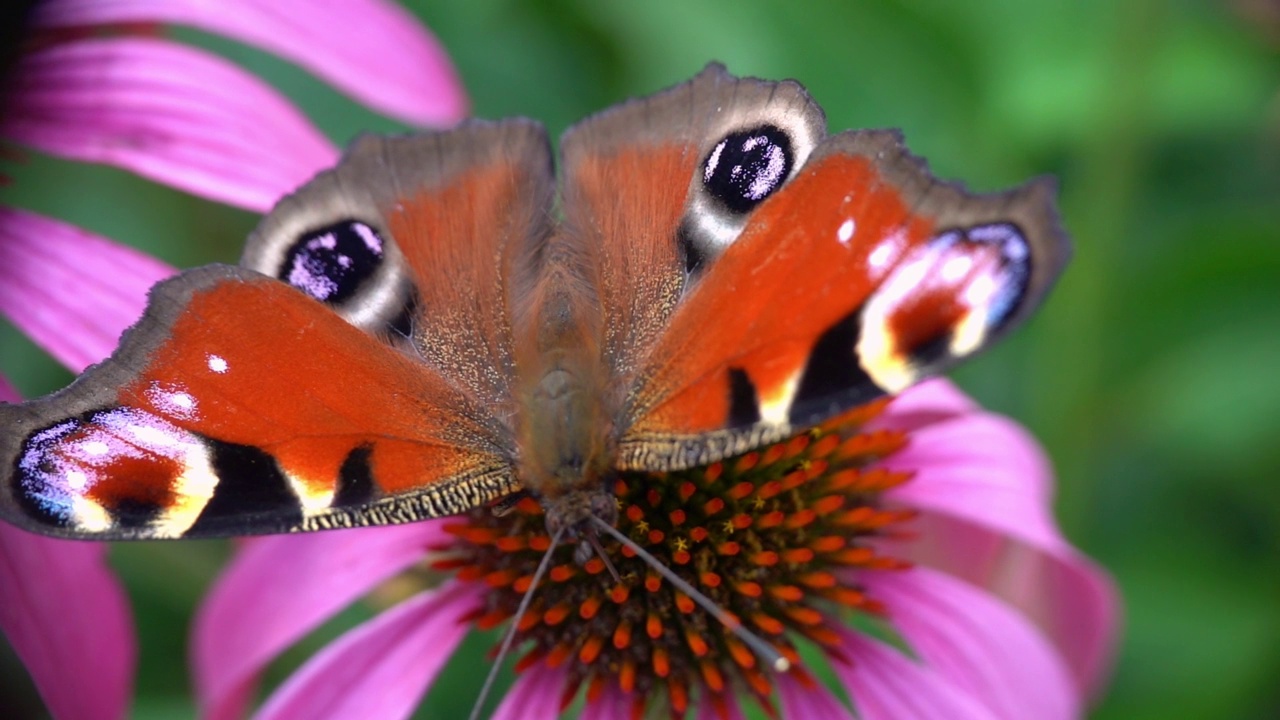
[860,277]
[201,425]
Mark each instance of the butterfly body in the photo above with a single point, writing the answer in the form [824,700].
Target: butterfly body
[566,415]
[436,324]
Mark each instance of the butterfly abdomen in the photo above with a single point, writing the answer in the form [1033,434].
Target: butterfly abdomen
[566,453]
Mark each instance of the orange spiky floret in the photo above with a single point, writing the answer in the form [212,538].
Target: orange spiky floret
[764,535]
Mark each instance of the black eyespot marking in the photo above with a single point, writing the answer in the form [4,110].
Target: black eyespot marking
[355,480]
[39,471]
[747,166]
[744,403]
[124,461]
[695,256]
[832,377]
[331,263]
[401,325]
[250,488]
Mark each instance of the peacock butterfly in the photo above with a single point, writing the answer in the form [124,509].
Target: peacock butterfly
[433,326]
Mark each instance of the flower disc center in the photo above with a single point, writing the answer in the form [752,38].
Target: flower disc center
[774,537]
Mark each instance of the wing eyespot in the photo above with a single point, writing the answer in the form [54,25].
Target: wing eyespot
[333,263]
[123,469]
[744,165]
[747,166]
[1014,252]
[943,302]
[349,264]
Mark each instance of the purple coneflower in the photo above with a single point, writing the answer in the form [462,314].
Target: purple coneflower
[911,545]
[90,87]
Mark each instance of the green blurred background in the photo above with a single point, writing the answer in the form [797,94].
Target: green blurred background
[1152,375]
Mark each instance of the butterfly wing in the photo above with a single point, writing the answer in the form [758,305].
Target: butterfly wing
[763,276]
[644,253]
[241,405]
[759,278]
[423,240]
[858,277]
[861,277]
[238,406]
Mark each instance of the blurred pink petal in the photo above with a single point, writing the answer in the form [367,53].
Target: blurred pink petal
[68,620]
[886,685]
[8,393]
[930,402]
[983,646]
[277,589]
[612,703]
[166,111]
[1065,594]
[988,468]
[535,695]
[71,291]
[708,711]
[380,669]
[374,50]
[985,470]
[800,701]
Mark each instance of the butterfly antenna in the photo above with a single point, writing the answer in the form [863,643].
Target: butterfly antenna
[762,649]
[515,624]
[594,539]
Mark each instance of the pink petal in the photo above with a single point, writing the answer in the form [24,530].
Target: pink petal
[382,668]
[800,702]
[68,620]
[374,50]
[984,457]
[72,291]
[278,589]
[985,647]
[612,703]
[929,402]
[1072,601]
[8,393]
[709,711]
[987,480]
[168,112]
[886,685]
[535,695]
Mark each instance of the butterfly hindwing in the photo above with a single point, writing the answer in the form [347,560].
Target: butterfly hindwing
[647,250]
[425,240]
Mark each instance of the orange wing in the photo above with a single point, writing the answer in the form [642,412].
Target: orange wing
[425,240]
[858,278]
[238,405]
[634,202]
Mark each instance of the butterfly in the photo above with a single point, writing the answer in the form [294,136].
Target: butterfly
[438,323]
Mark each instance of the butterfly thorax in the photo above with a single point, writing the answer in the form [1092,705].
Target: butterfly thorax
[566,434]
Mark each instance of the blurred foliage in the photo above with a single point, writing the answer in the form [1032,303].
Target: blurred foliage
[1152,375]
